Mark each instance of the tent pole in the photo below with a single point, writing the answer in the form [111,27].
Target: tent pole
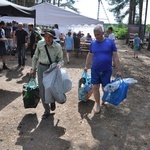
[35,18]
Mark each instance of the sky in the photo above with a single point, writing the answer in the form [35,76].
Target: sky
[89,8]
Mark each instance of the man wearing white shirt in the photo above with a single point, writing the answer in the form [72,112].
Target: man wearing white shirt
[111,34]
[57,33]
[112,37]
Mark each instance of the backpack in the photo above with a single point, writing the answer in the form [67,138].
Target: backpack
[38,37]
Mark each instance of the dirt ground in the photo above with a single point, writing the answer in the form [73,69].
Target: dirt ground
[73,125]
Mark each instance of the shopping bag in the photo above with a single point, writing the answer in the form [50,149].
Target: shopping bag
[84,87]
[53,84]
[31,94]
[115,92]
[67,84]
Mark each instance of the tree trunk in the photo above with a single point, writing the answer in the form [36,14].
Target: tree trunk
[140,17]
[148,48]
[134,10]
[131,15]
[59,3]
[54,2]
[130,12]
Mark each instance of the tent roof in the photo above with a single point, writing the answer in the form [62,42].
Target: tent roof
[48,14]
[10,9]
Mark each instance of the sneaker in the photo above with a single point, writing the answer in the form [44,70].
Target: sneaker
[45,116]
[5,67]
[22,67]
[53,106]
[18,66]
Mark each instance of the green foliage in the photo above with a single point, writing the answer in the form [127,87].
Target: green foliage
[120,31]
[148,28]
[69,4]
[117,6]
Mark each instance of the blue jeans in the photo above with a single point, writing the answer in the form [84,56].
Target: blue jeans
[21,55]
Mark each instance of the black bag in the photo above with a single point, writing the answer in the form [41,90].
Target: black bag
[13,51]
[31,94]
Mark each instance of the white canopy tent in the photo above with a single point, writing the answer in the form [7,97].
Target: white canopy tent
[48,14]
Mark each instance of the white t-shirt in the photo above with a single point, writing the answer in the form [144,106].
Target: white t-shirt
[3,33]
[57,34]
[111,36]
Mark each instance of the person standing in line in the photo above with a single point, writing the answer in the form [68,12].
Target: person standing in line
[57,33]
[76,40]
[21,41]
[136,45]
[14,28]
[31,44]
[102,51]
[69,45]
[9,41]
[88,38]
[40,56]
[2,45]
[111,35]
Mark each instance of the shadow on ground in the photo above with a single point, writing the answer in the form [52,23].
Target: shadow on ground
[43,135]
[5,97]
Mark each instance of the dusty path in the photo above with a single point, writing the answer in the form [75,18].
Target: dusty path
[73,126]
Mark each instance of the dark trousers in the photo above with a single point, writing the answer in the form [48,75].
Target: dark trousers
[21,55]
[41,69]
[32,51]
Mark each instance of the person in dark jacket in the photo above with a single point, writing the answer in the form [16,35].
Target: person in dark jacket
[32,38]
[21,36]
[76,39]
[2,45]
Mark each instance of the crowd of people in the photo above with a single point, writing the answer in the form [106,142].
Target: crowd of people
[18,38]
[14,37]
[46,48]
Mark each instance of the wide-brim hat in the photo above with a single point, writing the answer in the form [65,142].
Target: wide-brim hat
[50,32]
[136,34]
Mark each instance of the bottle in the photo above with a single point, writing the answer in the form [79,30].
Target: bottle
[82,85]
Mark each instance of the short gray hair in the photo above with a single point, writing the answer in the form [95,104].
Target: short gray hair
[99,28]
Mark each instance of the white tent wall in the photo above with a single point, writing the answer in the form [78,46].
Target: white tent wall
[17,19]
[76,28]
[84,29]
[63,28]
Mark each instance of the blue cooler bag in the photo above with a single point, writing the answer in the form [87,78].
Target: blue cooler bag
[84,87]
[115,92]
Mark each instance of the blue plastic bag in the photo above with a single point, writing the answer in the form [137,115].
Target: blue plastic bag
[84,87]
[117,96]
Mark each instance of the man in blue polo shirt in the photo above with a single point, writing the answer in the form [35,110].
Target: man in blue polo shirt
[102,52]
